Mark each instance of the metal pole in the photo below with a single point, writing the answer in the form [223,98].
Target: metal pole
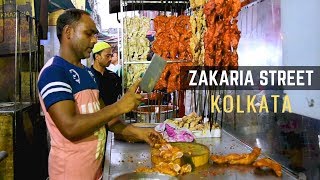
[16,60]
[20,58]
[30,58]
[122,52]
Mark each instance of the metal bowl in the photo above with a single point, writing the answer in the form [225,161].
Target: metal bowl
[154,113]
[144,176]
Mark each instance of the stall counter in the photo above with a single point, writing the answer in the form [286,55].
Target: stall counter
[123,157]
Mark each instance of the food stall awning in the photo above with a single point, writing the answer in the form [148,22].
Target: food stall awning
[65,4]
[58,4]
[157,5]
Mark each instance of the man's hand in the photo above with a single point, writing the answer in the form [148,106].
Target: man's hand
[131,99]
[145,134]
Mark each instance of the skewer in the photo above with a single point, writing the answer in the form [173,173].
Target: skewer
[149,107]
[216,113]
[213,120]
[148,62]
[159,106]
[135,116]
[176,94]
[174,7]
[204,102]
[223,89]
[170,9]
[168,99]
[200,97]
[209,107]
[214,95]
[199,104]
[186,3]
[178,103]
[139,8]
[220,99]
[134,7]
[234,112]
[191,101]
[159,12]
[195,99]
[165,8]
[173,103]
[142,4]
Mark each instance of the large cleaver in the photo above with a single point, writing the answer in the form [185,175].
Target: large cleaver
[153,73]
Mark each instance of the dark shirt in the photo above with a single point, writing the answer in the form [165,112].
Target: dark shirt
[109,85]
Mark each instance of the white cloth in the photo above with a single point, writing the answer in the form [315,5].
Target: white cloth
[114,68]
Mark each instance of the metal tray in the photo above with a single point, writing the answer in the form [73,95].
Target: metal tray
[145,125]
[144,176]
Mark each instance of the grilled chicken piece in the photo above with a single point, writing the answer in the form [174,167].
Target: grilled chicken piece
[265,162]
[227,158]
[249,158]
[244,159]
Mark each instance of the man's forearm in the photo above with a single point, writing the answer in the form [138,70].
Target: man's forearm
[124,131]
[116,126]
[76,126]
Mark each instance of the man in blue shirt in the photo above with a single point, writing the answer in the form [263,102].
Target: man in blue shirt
[69,98]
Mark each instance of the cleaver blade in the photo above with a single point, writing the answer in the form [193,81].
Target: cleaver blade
[153,73]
